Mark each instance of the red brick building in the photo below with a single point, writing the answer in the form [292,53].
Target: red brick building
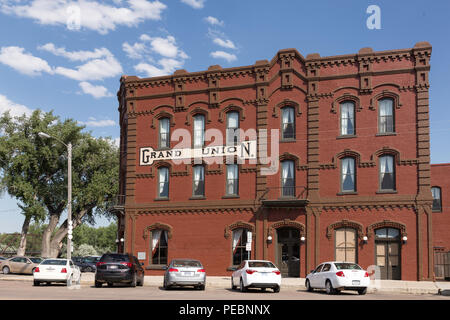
[350,159]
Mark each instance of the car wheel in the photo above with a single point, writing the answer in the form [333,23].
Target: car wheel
[276,289]
[329,288]
[110,284]
[98,284]
[5,270]
[362,291]
[202,287]
[308,286]
[263,289]
[233,287]
[242,288]
[133,282]
[36,283]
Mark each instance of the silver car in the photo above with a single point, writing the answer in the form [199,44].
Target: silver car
[185,272]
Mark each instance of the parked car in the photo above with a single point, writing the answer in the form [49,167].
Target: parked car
[256,274]
[336,276]
[185,272]
[87,264]
[18,264]
[119,268]
[57,270]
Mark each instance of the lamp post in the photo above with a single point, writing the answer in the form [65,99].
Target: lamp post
[69,190]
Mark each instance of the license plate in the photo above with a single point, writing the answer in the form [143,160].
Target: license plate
[187,274]
[355,282]
[112,267]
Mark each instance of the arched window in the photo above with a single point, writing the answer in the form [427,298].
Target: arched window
[232,128]
[437,201]
[348,175]
[199,131]
[345,245]
[387,173]
[287,178]
[287,123]
[159,245]
[163,182]
[239,246]
[347,118]
[164,133]
[386,116]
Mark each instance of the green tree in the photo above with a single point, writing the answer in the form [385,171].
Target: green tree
[42,163]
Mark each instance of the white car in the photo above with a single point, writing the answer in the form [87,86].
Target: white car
[256,274]
[57,270]
[335,276]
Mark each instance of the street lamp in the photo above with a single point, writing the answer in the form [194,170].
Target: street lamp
[69,190]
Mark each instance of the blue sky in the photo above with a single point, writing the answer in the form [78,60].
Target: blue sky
[68,55]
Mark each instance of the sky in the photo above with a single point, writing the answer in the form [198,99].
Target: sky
[68,55]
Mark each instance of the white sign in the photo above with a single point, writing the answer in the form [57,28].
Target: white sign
[141,255]
[245,150]
[249,236]
[248,246]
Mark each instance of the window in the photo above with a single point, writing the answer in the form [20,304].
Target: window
[348,182]
[345,244]
[287,178]
[347,118]
[386,116]
[199,131]
[239,246]
[164,133]
[232,187]
[437,202]
[232,127]
[198,181]
[326,267]
[159,247]
[163,182]
[288,123]
[387,173]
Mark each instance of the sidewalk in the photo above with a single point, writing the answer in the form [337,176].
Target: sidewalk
[382,286]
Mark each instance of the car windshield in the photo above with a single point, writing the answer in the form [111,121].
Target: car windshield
[187,263]
[347,266]
[114,258]
[52,262]
[260,264]
[36,260]
[92,259]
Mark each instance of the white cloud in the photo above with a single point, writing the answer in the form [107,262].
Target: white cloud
[224,43]
[75,55]
[135,51]
[95,91]
[214,21]
[14,109]
[89,14]
[25,63]
[223,55]
[93,122]
[167,66]
[96,69]
[196,4]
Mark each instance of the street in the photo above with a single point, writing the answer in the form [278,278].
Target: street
[24,290]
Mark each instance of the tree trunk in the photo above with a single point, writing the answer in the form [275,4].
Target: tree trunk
[47,249]
[23,236]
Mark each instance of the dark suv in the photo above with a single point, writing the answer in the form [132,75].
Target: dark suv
[119,268]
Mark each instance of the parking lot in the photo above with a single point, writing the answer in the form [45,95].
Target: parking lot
[12,290]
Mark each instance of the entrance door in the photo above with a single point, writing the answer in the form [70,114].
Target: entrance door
[288,249]
[387,251]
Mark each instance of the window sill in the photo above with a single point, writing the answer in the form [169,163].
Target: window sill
[156,267]
[161,199]
[291,140]
[162,149]
[386,134]
[348,136]
[347,193]
[197,198]
[386,192]
[231,196]
[436,211]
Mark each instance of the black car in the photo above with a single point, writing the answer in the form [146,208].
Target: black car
[119,268]
[88,264]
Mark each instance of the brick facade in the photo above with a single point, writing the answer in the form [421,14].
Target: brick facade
[315,87]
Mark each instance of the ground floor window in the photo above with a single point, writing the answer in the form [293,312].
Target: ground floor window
[345,244]
[159,246]
[239,246]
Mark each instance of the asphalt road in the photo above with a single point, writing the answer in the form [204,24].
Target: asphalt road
[24,290]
